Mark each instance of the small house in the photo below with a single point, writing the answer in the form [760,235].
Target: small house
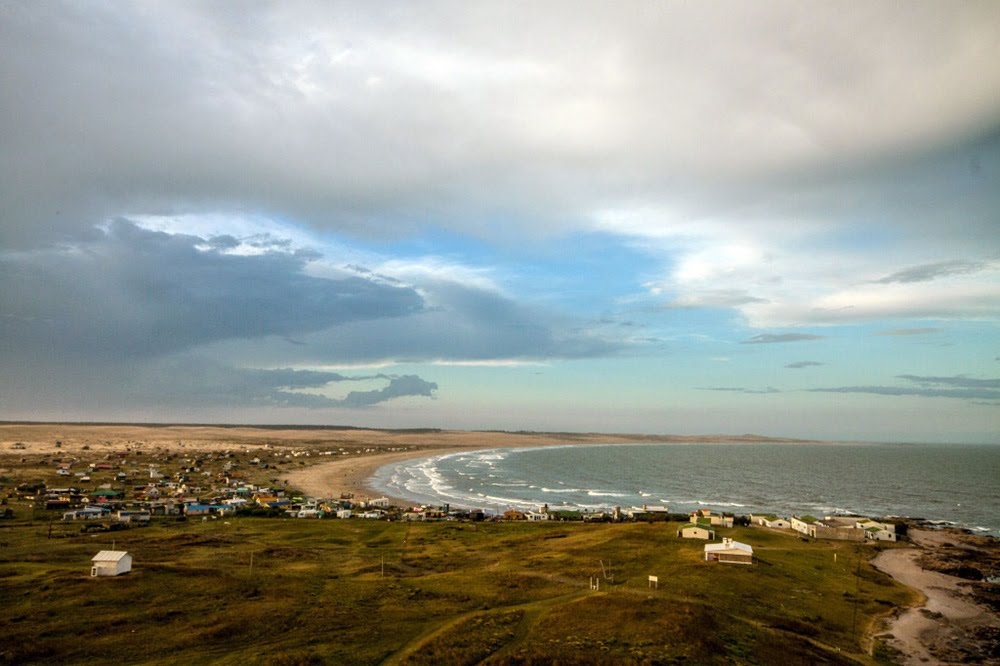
[876,531]
[111,563]
[86,513]
[770,520]
[721,520]
[133,517]
[197,510]
[729,551]
[696,532]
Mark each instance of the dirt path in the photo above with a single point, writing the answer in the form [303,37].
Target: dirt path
[949,628]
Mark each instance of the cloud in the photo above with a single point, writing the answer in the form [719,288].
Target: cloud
[776,338]
[184,382]
[189,381]
[769,389]
[909,331]
[958,387]
[928,272]
[803,364]
[460,323]
[130,306]
[715,298]
[792,252]
[378,121]
[132,292]
[957,381]
[405,385]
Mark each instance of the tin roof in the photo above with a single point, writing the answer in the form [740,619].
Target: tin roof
[109,556]
[733,545]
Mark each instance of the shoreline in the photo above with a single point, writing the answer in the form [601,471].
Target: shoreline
[357,476]
[949,625]
[353,475]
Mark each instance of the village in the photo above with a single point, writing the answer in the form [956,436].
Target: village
[132,487]
[175,519]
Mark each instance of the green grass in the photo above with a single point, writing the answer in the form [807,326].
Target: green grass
[451,593]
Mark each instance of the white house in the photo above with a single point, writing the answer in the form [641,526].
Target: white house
[732,552]
[133,517]
[876,531]
[843,528]
[770,520]
[720,521]
[111,563]
[86,513]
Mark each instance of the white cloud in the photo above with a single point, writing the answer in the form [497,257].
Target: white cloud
[387,119]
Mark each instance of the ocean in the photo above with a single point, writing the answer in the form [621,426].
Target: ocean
[956,484]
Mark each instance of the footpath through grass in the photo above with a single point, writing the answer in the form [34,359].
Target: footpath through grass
[277,591]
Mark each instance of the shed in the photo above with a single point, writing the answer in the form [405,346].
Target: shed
[111,563]
[729,551]
[695,532]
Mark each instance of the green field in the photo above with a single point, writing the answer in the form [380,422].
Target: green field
[367,592]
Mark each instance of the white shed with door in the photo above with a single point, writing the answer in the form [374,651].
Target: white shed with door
[111,563]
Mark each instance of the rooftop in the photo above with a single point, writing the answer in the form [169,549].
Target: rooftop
[109,556]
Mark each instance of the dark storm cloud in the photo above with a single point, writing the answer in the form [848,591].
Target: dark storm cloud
[460,323]
[797,365]
[777,338]
[960,387]
[404,385]
[137,293]
[115,319]
[197,381]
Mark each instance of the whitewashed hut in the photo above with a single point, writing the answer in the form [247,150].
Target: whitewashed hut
[111,563]
[729,551]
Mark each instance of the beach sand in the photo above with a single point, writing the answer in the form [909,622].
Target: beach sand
[950,627]
[323,477]
[351,475]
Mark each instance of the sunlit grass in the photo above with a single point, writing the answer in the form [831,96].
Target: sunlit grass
[250,590]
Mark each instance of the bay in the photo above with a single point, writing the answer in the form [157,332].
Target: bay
[952,483]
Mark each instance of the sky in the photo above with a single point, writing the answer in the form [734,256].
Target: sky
[779,218]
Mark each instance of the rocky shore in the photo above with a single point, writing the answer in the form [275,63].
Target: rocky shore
[959,619]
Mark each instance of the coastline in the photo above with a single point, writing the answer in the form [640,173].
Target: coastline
[955,621]
[353,475]
[949,625]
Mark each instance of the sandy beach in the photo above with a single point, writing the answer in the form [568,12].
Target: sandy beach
[351,475]
[949,627]
[370,449]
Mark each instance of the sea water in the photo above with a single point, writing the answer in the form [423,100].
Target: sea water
[957,484]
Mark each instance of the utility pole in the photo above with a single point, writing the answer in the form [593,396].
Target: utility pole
[857,590]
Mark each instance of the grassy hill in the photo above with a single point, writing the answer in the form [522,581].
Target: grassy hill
[367,592]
